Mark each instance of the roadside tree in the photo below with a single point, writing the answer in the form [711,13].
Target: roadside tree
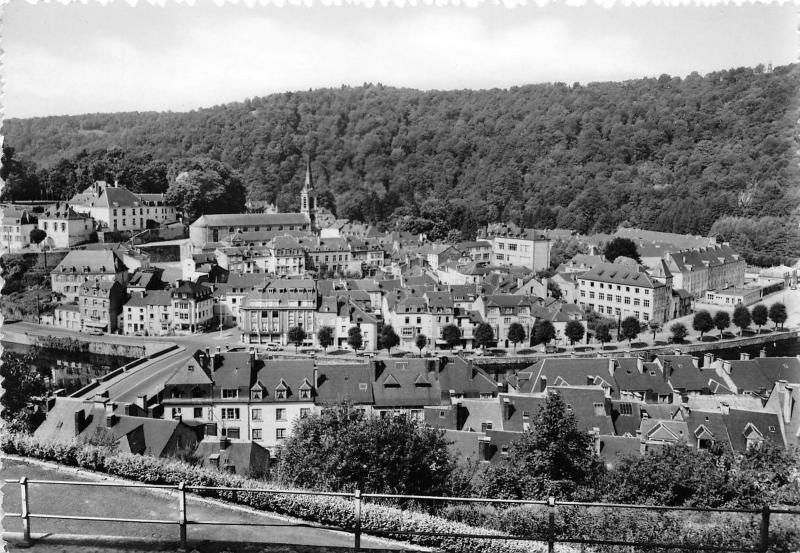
[574,331]
[777,314]
[741,318]
[388,338]
[602,334]
[296,336]
[630,329]
[679,332]
[760,315]
[451,335]
[722,320]
[354,338]
[544,332]
[420,341]
[702,322]
[484,335]
[325,337]
[516,334]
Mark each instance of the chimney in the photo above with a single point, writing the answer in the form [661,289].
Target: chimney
[80,420]
[252,357]
[111,420]
[595,434]
[316,376]
[223,443]
[543,383]
[726,366]
[667,369]
[141,402]
[695,362]
[485,448]
[640,363]
[744,356]
[642,442]
[508,409]
[589,380]
[763,352]
[724,407]
[708,358]
[110,408]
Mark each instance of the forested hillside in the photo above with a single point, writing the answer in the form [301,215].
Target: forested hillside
[672,154]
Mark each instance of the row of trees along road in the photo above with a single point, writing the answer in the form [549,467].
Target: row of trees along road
[704,322]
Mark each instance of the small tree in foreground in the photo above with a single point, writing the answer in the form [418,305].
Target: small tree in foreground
[296,336]
[574,331]
[484,335]
[421,341]
[543,332]
[388,338]
[760,315]
[343,449]
[553,458]
[722,320]
[325,337]
[451,335]
[679,332]
[741,318]
[354,338]
[777,314]
[602,334]
[630,328]
[516,334]
[702,322]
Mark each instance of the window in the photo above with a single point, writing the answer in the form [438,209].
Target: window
[512,247]
[625,409]
[486,426]
[442,414]
[646,303]
[601,296]
[507,320]
[176,412]
[233,433]
[504,450]
[256,414]
[230,413]
[280,414]
[627,300]
[583,293]
[280,394]
[599,409]
[256,434]
[608,310]
[230,393]
[305,394]
[636,301]
[591,295]
[198,412]
[256,394]
[619,299]
[305,412]
[280,433]
[362,386]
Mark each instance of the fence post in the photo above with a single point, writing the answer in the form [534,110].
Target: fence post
[25,511]
[551,524]
[357,498]
[182,515]
[764,545]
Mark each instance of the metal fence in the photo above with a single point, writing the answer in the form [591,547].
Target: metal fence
[551,505]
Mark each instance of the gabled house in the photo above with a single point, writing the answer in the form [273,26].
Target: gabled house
[80,266]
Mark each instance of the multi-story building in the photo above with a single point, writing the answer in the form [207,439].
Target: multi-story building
[117,208]
[341,313]
[17,226]
[229,296]
[622,290]
[192,306]
[328,255]
[67,316]
[286,257]
[100,303]
[148,313]
[477,250]
[503,310]
[702,269]
[65,227]
[270,311]
[224,227]
[512,245]
[81,266]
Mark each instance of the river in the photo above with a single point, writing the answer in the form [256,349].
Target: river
[69,371]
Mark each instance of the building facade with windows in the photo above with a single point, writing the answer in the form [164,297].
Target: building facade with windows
[81,266]
[117,208]
[16,227]
[269,311]
[65,227]
[619,290]
[520,247]
[192,306]
[100,303]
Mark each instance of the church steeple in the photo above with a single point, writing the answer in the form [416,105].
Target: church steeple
[308,198]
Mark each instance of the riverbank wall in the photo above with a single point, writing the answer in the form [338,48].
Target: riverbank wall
[102,345]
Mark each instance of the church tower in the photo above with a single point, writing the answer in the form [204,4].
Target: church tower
[308,198]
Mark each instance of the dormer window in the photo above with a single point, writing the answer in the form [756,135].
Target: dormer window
[256,394]
[305,394]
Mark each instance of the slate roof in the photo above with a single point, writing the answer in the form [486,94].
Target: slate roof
[396,383]
[98,261]
[582,401]
[761,373]
[523,409]
[616,273]
[635,376]
[768,425]
[479,411]
[464,377]
[245,457]
[574,372]
[290,375]
[150,297]
[463,444]
[344,381]
[251,219]
[614,448]
[683,375]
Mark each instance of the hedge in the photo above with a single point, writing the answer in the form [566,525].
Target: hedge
[323,510]
[719,529]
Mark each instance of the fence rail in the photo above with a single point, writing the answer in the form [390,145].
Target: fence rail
[552,538]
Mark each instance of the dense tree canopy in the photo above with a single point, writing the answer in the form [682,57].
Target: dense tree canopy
[344,449]
[669,153]
[200,186]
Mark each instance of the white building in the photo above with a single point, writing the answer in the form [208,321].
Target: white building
[16,229]
[117,208]
[65,227]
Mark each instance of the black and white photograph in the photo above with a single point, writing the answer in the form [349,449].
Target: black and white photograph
[430,276]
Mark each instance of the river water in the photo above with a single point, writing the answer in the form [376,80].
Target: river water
[69,371]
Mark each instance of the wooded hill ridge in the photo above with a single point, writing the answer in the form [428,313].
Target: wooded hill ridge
[701,154]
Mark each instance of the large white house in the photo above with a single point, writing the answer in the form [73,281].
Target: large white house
[117,208]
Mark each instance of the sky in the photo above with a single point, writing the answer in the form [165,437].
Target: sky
[87,58]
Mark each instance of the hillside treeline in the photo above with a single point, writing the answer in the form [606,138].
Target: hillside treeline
[671,154]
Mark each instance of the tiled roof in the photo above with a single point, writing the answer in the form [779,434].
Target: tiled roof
[98,261]
[615,273]
[762,372]
[407,392]
[251,219]
[339,382]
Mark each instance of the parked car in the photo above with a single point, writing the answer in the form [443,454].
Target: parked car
[272,346]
